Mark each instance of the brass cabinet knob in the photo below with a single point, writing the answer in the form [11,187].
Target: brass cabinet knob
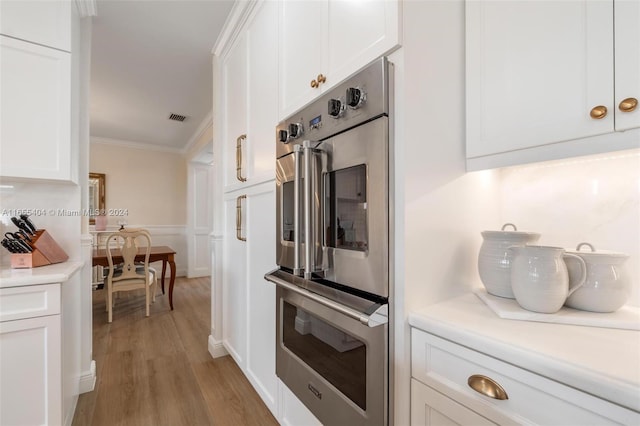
[628,105]
[321,78]
[598,112]
[314,84]
[486,386]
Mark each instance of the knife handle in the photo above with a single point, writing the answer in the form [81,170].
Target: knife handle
[25,219]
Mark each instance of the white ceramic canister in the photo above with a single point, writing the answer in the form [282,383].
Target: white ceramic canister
[606,288]
[494,260]
[540,279]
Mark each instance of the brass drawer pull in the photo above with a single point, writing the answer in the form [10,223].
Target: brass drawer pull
[598,112]
[239,158]
[486,386]
[628,104]
[239,218]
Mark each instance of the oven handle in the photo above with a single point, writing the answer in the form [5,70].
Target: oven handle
[297,269]
[378,317]
[309,234]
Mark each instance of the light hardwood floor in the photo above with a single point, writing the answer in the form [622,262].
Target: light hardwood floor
[157,370]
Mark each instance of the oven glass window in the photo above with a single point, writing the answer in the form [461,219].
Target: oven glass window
[346,208]
[337,356]
[287,212]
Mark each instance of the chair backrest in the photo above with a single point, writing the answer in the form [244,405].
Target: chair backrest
[130,241]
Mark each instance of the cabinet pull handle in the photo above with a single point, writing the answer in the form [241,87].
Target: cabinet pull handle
[628,105]
[239,158]
[486,386]
[239,218]
[318,81]
[598,112]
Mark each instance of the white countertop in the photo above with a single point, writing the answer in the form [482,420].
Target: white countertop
[601,361]
[56,273]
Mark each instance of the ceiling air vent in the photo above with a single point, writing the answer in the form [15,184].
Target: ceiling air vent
[177,117]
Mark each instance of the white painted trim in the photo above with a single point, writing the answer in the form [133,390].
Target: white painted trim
[157,229]
[72,411]
[233,25]
[203,127]
[88,379]
[216,348]
[134,145]
[87,8]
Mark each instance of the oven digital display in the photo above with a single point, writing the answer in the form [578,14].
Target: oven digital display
[314,123]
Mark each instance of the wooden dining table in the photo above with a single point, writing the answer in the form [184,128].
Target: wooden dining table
[157,254]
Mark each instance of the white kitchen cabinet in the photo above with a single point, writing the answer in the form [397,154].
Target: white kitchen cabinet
[31,354]
[429,407]
[36,111]
[47,23]
[323,42]
[39,344]
[529,88]
[234,276]
[248,299]
[262,97]
[249,73]
[459,342]
[234,120]
[627,62]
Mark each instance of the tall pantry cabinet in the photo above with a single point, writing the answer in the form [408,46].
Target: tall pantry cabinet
[248,69]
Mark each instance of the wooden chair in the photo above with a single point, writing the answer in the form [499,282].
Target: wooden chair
[130,275]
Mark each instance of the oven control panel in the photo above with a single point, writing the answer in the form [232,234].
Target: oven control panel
[359,98]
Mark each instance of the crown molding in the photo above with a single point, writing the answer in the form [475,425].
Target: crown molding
[204,125]
[87,8]
[134,145]
[233,25]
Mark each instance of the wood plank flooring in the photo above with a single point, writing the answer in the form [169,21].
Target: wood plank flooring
[158,371]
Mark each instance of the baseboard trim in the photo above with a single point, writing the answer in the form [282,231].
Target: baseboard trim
[88,379]
[216,349]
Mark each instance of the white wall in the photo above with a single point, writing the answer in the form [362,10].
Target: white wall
[594,199]
[444,208]
[151,186]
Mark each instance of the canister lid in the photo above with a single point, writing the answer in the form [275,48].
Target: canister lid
[588,251]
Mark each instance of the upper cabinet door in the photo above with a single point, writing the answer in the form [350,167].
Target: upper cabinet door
[35,123]
[359,32]
[262,92]
[627,51]
[537,72]
[234,76]
[324,41]
[43,22]
[302,49]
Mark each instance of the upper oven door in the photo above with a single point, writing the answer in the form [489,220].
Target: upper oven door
[355,204]
[285,211]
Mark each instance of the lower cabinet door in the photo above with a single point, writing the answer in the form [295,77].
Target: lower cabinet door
[430,407]
[234,278]
[249,310]
[30,370]
[261,295]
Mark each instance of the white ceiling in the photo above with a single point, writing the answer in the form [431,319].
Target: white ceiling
[151,58]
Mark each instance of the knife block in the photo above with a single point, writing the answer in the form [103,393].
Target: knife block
[45,252]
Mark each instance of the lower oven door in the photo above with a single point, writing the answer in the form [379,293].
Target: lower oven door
[336,365]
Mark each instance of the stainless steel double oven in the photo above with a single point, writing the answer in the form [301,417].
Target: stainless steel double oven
[333,250]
